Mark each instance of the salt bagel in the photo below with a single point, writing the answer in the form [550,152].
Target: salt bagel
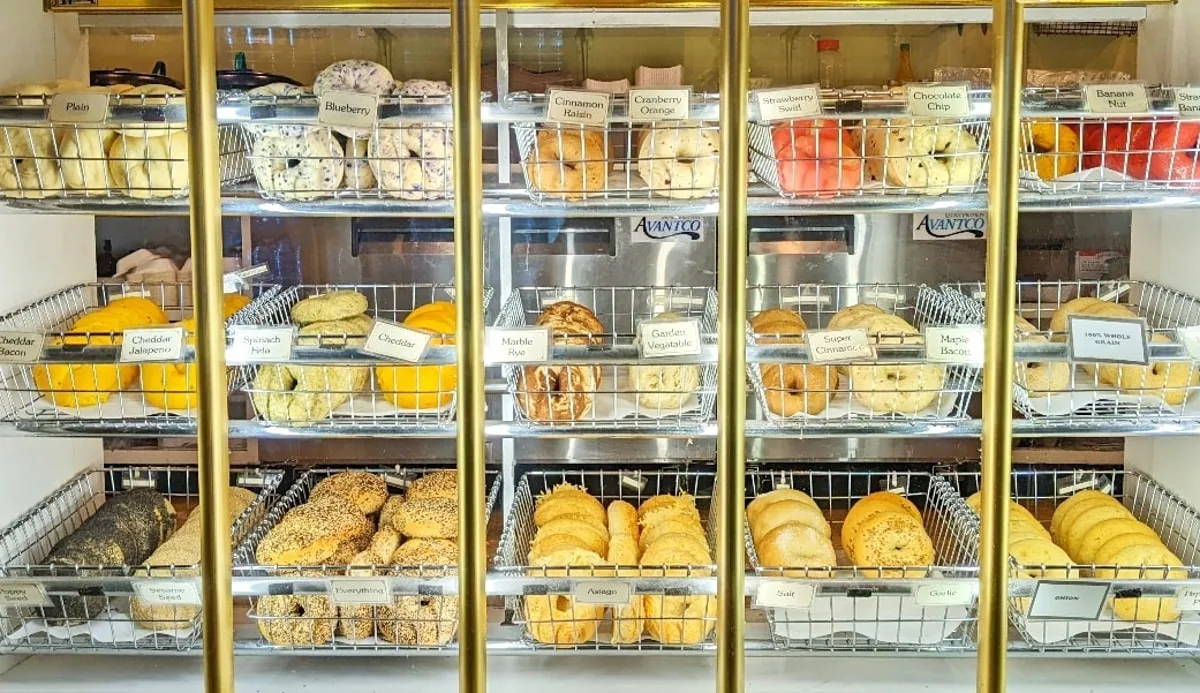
[799,547]
[332,305]
[679,160]
[150,167]
[761,502]
[921,156]
[355,76]
[568,164]
[303,167]
[82,157]
[412,162]
[785,511]
[28,163]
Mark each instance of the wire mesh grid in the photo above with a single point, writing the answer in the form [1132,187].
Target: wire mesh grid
[1155,625]
[893,390]
[676,615]
[1092,393]
[863,611]
[1086,28]
[350,395]
[292,617]
[85,322]
[99,606]
[642,394]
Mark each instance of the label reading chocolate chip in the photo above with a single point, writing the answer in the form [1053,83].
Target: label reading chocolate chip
[78,108]
[960,344]
[654,105]
[938,100]
[1187,101]
[392,341]
[21,347]
[1116,98]
[23,594]
[784,595]
[347,109]
[518,345]
[613,592]
[572,107]
[356,591]
[788,103]
[168,592]
[152,344]
[661,338]
[827,346]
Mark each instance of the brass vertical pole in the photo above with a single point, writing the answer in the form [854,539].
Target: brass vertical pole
[1008,26]
[465,52]
[731,341]
[212,437]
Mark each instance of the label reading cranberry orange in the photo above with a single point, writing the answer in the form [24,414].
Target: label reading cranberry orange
[1187,100]
[347,109]
[78,108]
[937,100]
[788,103]
[654,105]
[392,341]
[1116,98]
[571,107]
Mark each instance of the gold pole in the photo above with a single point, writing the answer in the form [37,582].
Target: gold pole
[1008,71]
[468,283]
[212,438]
[731,341]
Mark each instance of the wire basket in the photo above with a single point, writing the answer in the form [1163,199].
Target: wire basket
[639,395]
[852,609]
[408,153]
[695,623]
[843,154]
[901,388]
[1057,389]
[98,390]
[420,618]
[1177,524]
[353,394]
[139,151]
[104,607]
[1068,150]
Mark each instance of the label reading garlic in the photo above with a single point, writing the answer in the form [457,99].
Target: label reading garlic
[788,103]
[784,595]
[152,344]
[78,108]
[571,107]
[1116,98]
[613,592]
[944,593]
[392,341]
[517,345]
[347,109]
[1108,340]
[662,338]
[21,347]
[168,592]
[938,100]
[252,344]
[826,346]
[960,344]
[1187,100]
[23,594]
[654,105]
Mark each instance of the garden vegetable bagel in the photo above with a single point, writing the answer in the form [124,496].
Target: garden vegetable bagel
[423,387]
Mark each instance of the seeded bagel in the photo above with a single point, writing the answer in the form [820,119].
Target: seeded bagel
[335,305]
[367,491]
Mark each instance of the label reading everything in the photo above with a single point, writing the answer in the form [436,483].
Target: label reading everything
[168,592]
[788,103]
[1108,340]
[654,105]
[345,592]
[152,344]
[23,594]
[78,108]
[784,595]
[962,344]
[21,347]
[826,346]
[1073,599]
[937,100]
[347,109]
[659,338]
[518,345]
[257,344]
[571,107]
[1187,100]
[613,592]
[392,341]
[944,594]
[1116,98]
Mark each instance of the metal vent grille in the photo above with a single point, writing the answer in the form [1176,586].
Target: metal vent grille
[1086,29]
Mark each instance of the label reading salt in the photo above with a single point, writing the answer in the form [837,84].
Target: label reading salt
[613,592]
[347,109]
[168,592]
[152,344]
[23,594]
[1187,101]
[518,345]
[661,338]
[961,344]
[944,594]
[346,592]
[571,107]
[1076,600]
[826,346]
[654,105]
[938,100]
[258,344]
[788,103]
[21,347]
[1108,340]
[392,341]
[78,108]
[1116,98]
[784,595]
[1188,599]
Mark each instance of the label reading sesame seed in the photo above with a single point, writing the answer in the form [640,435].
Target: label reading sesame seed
[168,592]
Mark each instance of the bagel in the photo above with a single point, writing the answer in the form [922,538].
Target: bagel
[897,389]
[774,315]
[1073,513]
[557,393]
[1171,381]
[82,158]
[761,502]
[358,175]
[680,512]
[1150,561]
[921,156]
[304,393]
[595,536]
[329,306]
[1115,544]
[892,539]
[850,316]
[797,546]
[439,484]
[671,526]
[680,620]
[663,389]
[559,619]
[1099,534]
[412,162]
[1040,559]
[296,621]
[152,95]
[1052,149]
[427,518]
[871,505]
[1040,379]
[365,490]
[568,164]
[628,620]
[28,163]
[1088,520]
[355,76]
[150,167]
[301,167]
[556,504]
[1063,508]
[622,520]
[679,160]
[816,157]
[423,621]
[793,389]
[785,511]
[666,500]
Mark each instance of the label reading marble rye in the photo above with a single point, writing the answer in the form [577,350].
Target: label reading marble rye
[653,105]
[825,346]
[660,338]
[78,108]
[1187,100]
[21,347]
[937,100]
[347,109]
[518,345]
[152,344]
[1116,98]
[570,107]
[784,595]
[788,103]
[398,342]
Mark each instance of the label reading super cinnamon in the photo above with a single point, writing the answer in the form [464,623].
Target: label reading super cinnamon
[654,105]
[788,103]
[347,109]
[937,100]
[1116,98]
[1187,100]
[828,346]
[78,108]
[571,107]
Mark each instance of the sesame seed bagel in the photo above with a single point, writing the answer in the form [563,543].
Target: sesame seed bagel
[427,518]
[442,484]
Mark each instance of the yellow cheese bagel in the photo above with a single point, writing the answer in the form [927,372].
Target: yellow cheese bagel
[423,387]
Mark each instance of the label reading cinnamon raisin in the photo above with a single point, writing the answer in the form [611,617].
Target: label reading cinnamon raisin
[573,107]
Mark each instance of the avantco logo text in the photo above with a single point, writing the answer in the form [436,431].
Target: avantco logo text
[956,226]
[690,228]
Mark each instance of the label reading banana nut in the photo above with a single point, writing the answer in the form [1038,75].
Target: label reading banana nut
[1116,98]
[571,107]
[614,592]
[654,105]
[1074,599]
[78,108]
[1108,340]
[168,592]
[961,344]
[1188,599]
[260,344]
[353,592]
[826,346]
[661,338]
[784,595]
[21,347]
[1187,100]
[23,594]
[152,344]
[518,345]
[937,100]
[788,103]
[944,594]
[392,341]
[347,109]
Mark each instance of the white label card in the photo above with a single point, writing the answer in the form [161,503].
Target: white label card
[348,109]
[168,592]
[944,594]
[78,108]
[949,226]
[1116,98]
[251,344]
[354,591]
[661,338]
[961,344]
[1188,599]
[788,103]
[1190,337]
[784,595]
[938,100]
[615,592]
[21,347]
[23,594]
[392,341]
[1108,340]
[571,107]
[825,346]
[152,344]
[1187,100]
[1074,599]
[518,345]
[654,105]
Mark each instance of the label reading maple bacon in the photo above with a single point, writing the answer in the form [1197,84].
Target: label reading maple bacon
[654,105]
[937,100]
[1116,98]
[348,109]
[1187,100]
[788,103]
[961,344]
[570,107]
[78,108]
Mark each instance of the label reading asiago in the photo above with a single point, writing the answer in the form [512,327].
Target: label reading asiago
[1116,98]
[392,341]
[518,345]
[168,592]
[613,592]
[825,346]
[348,109]
[1108,340]
[1187,101]
[353,592]
[21,347]
[788,103]
[654,105]
[152,344]
[22,594]
[78,108]
[661,338]
[257,344]
[784,595]
[937,100]
[961,344]
[572,107]
[1075,599]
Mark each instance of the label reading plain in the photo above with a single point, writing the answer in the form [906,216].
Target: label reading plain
[828,346]
[1116,98]
[21,347]
[959,344]
[938,100]
[348,109]
[662,338]
[251,344]
[168,592]
[655,105]
[356,591]
[613,592]
[784,595]
[78,108]
[152,344]
[788,103]
[518,345]
[1108,340]
[392,341]
[1074,599]
[574,107]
